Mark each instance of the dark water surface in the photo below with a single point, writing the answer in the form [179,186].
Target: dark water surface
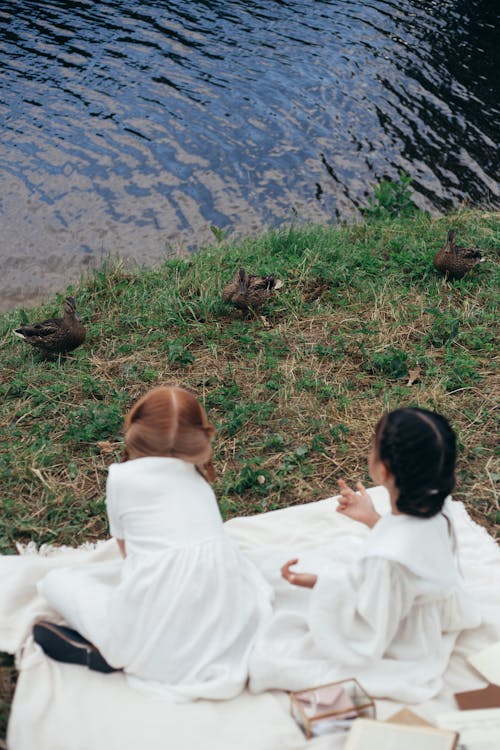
[131,126]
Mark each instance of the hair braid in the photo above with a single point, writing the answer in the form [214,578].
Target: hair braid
[419,449]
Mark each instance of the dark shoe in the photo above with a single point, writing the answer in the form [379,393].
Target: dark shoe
[65,644]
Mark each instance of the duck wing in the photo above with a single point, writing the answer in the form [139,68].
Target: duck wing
[39,330]
[263,283]
[473,253]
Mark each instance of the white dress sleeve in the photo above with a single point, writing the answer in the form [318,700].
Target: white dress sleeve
[354,614]
[114,520]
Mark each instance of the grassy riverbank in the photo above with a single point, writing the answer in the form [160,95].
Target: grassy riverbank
[363,324]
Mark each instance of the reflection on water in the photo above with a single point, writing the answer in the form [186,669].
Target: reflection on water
[132,126]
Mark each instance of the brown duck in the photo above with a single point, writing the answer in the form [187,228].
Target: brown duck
[249,292]
[455,261]
[55,335]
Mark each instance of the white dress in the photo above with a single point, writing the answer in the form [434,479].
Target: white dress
[390,617]
[180,613]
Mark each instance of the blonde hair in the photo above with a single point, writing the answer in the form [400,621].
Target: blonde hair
[170,422]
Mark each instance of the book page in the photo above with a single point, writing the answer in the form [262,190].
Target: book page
[368,734]
[479,730]
[487,663]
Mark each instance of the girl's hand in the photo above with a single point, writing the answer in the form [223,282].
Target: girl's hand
[307,580]
[357,505]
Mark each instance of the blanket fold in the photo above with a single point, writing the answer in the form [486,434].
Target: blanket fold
[66,707]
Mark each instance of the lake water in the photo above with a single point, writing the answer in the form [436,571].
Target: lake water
[132,127]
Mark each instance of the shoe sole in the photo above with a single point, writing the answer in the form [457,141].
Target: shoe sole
[66,645]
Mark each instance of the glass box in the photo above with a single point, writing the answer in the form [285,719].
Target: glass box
[330,708]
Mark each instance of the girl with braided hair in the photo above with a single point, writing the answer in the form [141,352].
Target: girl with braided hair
[413,455]
[390,612]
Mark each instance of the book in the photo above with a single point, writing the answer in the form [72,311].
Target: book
[488,697]
[369,734]
[487,663]
[479,730]
[407,716]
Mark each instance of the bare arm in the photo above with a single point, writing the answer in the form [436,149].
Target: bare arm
[121,547]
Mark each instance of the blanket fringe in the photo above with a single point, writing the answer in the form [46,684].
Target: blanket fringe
[48,550]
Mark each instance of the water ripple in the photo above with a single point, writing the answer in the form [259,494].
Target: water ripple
[132,127]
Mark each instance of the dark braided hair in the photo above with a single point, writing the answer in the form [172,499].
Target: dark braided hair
[418,447]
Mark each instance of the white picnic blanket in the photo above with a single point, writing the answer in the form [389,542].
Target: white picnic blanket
[66,707]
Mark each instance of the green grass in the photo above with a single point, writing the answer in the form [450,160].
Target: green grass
[363,324]
[294,394]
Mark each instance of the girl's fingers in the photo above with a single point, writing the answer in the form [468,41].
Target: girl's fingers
[363,491]
[348,492]
[285,570]
[344,488]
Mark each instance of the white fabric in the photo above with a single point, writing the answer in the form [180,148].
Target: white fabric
[64,707]
[391,616]
[181,568]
